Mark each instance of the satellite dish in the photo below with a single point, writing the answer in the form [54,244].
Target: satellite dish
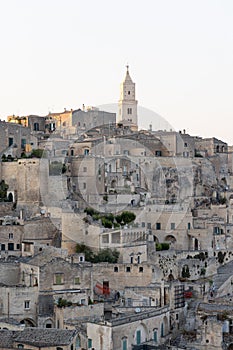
[137,310]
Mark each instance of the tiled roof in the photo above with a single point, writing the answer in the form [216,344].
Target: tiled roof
[39,337]
[6,338]
[45,336]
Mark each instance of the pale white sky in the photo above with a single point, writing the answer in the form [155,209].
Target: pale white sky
[63,53]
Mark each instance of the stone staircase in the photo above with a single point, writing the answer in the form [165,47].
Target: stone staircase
[223,274]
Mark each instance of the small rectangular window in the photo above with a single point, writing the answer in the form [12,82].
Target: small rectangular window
[58,278]
[11,236]
[27,304]
[127,268]
[158,226]
[10,141]
[89,343]
[173,226]
[76,280]
[85,169]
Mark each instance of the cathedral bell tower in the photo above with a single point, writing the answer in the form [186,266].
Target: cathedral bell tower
[127,105]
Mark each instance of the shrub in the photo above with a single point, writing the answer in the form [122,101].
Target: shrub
[38,153]
[63,302]
[162,246]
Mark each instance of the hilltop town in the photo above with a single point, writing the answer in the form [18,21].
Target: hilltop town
[114,238]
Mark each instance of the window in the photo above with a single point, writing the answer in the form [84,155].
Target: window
[143,224]
[78,343]
[189,226]
[20,346]
[115,268]
[149,225]
[58,278]
[11,236]
[10,141]
[85,169]
[155,336]
[129,110]
[81,258]
[10,246]
[27,304]
[3,247]
[131,260]
[173,226]
[138,337]
[162,330]
[71,152]
[86,151]
[36,126]
[127,268]
[89,343]
[76,280]
[84,185]
[140,269]
[139,259]
[17,246]
[158,226]
[128,92]
[185,144]
[158,153]
[124,344]
[23,143]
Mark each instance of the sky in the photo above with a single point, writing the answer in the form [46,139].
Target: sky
[58,54]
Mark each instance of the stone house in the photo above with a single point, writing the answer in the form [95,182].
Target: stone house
[130,328]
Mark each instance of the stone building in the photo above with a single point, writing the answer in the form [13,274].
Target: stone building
[86,119]
[130,329]
[15,139]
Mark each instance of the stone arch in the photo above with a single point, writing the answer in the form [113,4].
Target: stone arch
[144,333]
[28,322]
[156,240]
[171,277]
[170,238]
[10,197]
[48,323]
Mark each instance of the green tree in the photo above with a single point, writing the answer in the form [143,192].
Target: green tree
[83,248]
[3,190]
[107,255]
[125,217]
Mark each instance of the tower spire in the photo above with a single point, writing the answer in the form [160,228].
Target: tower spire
[128,104]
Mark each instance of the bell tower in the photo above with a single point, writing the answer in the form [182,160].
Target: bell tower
[127,105]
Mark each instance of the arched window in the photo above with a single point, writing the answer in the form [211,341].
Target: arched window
[36,127]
